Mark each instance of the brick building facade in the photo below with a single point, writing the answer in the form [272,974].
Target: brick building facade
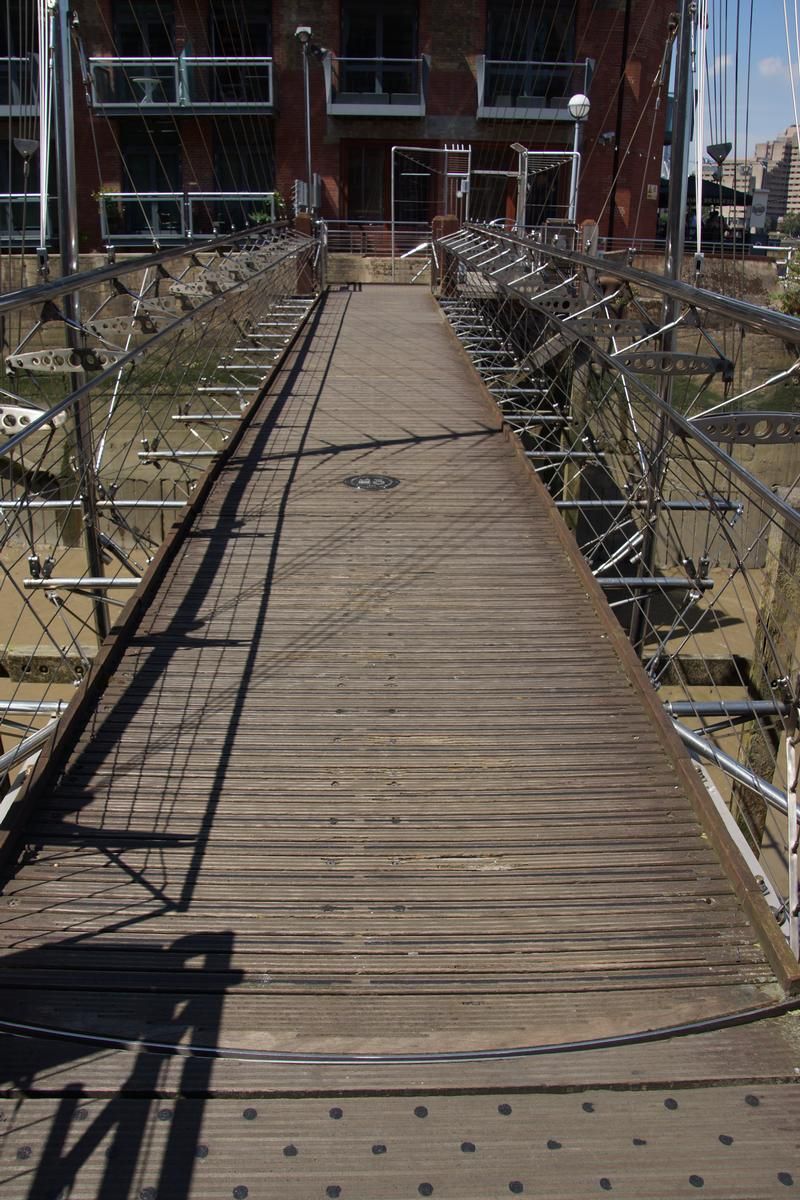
[188,101]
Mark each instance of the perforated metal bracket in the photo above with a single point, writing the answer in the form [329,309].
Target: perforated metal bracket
[661,362]
[141,323]
[611,327]
[61,362]
[751,428]
[14,417]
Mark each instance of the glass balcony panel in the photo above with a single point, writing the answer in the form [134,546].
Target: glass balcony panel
[365,86]
[128,218]
[182,83]
[19,220]
[134,82]
[228,81]
[516,89]
[19,85]
[135,218]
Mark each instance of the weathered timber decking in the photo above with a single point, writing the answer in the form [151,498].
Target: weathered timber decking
[373,777]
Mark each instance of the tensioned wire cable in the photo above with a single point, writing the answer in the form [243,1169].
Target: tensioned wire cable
[680,615]
[747,1016]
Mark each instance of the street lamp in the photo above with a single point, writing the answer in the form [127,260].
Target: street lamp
[579,110]
[303,35]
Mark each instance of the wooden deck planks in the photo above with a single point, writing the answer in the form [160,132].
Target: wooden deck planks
[654,1144]
[372,776]
[375,745]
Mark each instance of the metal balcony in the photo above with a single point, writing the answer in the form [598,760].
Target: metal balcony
[160,85]
[19,86]
[19,220]
[529,91]
[375,87]
[163,218]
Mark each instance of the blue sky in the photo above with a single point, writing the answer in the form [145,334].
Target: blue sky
[770,89]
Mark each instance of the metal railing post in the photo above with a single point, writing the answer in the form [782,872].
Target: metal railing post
[68,239]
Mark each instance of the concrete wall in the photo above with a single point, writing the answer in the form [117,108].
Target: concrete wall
[356,268]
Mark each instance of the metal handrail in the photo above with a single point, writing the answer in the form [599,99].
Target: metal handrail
[178,75]
[138,352]
[40,293]
[549,70]
[740,311]
[764,320]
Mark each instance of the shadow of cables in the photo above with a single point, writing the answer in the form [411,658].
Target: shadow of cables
[125,1132]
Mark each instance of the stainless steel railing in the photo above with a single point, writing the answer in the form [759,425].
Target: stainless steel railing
[107,426]
[677,471]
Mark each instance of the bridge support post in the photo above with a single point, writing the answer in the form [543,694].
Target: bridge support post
[304,224]
[444,278]
[68,237]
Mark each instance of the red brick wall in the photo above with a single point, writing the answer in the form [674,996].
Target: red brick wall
[639,150]
[452,33]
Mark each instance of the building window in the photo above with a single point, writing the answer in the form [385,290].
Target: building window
[144,30]
[18,31]
[239,29]
[365,183]
[414,190]
[384,29]
[240,163]
[151,156]
[371,34]
[520,37]
[151,163]
[521,32]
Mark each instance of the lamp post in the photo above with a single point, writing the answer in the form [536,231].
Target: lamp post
[579,110]
[522,186]
[303,35]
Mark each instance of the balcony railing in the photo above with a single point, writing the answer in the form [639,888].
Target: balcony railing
[19,86]
[145,218]
[19,219]
[374,238]
[530,91]
[124,85]
[375,87]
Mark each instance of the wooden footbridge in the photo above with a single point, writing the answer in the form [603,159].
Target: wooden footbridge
[370,867]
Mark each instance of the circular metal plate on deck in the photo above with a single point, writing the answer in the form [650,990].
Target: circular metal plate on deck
[371,483]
